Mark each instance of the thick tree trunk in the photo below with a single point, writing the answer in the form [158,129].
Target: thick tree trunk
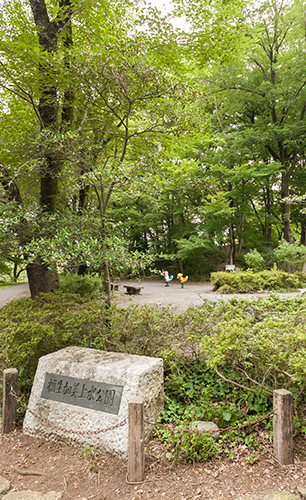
[42,279]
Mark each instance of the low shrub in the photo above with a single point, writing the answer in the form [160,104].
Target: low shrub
[30,329]
[194,392]
[215,333]
[85,286]
[254,260]
[222,360]
[249,281]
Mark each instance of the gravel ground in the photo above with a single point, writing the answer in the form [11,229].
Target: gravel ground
[193,294]
[34,464]
[155,292]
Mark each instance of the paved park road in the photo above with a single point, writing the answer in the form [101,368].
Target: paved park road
[155,292]
[13,292]
[193,294]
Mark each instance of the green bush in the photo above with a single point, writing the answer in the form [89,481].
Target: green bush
[249,281]
[222,360]
[193,392]
[264,343]
[254,260]
[290,256]
[85,286]
[30,329]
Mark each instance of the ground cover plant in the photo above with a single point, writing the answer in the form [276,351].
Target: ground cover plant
[222,360]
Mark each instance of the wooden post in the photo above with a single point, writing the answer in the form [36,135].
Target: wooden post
[283,426]
[9,406]
[136,441]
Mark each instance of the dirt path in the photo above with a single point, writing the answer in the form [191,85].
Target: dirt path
[103,477]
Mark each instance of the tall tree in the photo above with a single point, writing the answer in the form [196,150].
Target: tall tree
[119,88]
[46,36]
[259,109]
[49,32]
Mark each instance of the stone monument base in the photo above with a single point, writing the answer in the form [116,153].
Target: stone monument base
[86,391]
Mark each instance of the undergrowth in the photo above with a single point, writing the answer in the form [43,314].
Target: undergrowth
[222,360]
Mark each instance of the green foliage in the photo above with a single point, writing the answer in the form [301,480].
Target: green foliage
[141,330]
[290,255]
[249,281]
[5,271]
[85,286]
[167,150]
[254,260]
[182,442]
[263,340]
[210,333]
[30,329]
[195,392]
[222,360]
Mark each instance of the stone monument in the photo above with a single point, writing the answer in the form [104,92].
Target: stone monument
[82,391]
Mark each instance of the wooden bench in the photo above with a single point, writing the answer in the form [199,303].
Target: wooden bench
[133,290]
[114,286]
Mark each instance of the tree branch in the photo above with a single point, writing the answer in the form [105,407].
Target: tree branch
[263,70]
[257,215]
[235,383]
[255,382]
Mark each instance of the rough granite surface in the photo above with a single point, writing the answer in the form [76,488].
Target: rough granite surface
[32,495]
[140,376]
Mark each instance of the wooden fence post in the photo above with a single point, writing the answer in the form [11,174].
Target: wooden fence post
[283,426]
[136,441]
[9,406]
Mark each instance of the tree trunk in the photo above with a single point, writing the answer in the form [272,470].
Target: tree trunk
[240,233]
[267,226]
[107,282]
[303,231]
[15,272]
[180,265]
[42,279]
[287,231]
[82,269]
[232,249]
